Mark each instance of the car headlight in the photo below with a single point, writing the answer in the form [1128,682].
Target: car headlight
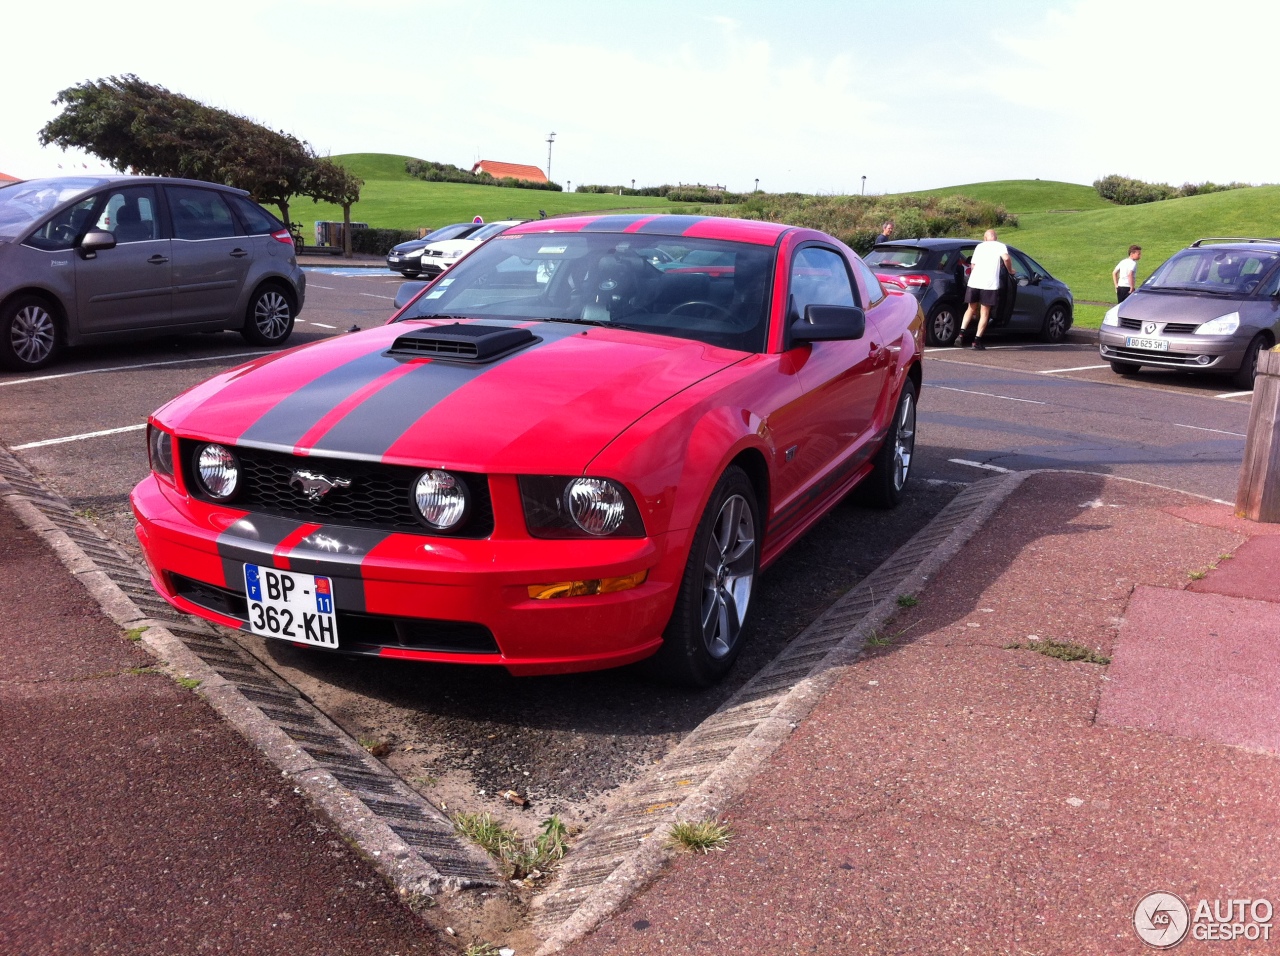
[572,507]
[455,253]
[1112,317]
[1222,325]
[160,451]
[217,471]
[442,499]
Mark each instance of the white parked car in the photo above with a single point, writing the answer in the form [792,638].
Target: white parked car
[438,256]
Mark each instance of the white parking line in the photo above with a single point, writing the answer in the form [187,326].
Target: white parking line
[948,388]
[323,326]
[978,464]
[1218,431]
[126,368]
[374,295]
[1234,394]
[327,288]
[62,441]
[1078,368]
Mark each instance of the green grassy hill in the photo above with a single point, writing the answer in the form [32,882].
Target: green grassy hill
[1021,196]
[392,199]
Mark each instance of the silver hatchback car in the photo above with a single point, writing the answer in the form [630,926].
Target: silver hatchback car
[95,259]
[1211,307]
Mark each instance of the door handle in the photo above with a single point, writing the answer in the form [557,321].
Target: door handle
[238,253]
[158,260]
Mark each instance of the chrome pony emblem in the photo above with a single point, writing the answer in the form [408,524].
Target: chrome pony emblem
[314,486]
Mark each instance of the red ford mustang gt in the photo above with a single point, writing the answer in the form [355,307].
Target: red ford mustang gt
[576,449]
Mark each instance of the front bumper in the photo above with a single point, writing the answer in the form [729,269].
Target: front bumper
[417,597]
[409,263]
[1188,352]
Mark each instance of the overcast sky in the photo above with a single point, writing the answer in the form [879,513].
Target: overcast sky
[806,95]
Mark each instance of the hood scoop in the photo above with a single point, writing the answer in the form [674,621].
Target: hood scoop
[462,343]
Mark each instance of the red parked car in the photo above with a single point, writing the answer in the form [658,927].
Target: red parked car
[576,449]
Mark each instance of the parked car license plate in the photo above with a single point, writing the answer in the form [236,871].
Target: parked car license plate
[393,258]
[292,607]
[1152,345]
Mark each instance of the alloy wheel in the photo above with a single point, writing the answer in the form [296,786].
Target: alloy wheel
[32,334]
[904,440]
[271,314]
[728,576]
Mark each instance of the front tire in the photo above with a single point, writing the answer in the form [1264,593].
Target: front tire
[1243,378]
[28,334]
[883,488]
[1125,368]
[269,318]
[1056,323]
[704,636]
[943,325]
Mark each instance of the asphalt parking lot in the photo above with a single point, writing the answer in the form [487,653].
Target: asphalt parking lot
[461,736]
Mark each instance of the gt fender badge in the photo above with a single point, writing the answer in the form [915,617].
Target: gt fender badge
[315,486]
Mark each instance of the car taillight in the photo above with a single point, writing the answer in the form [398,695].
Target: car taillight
[914,280]
[890,280]
[283,235]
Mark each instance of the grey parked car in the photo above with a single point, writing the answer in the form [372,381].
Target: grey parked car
[1212,307]
[935,271]
[95,259]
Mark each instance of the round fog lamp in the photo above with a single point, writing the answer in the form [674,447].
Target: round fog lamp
[1203,359]
[218,471]
[596,505]
[441,499]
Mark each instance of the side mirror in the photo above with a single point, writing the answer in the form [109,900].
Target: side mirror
[1024,281]
[95,242]
[407,291]
[829,323]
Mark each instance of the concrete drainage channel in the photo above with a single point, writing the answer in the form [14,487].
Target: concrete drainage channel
[406,838]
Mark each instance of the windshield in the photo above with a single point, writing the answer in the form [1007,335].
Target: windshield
[22,204]
[895,258]
[702,289]
[456,231]
[489,230]
[1213,270]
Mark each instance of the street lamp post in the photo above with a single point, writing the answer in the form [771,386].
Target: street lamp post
[757,189]
[864,185]
[550,139]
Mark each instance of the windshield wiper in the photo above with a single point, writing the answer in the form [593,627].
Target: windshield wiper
[596,322]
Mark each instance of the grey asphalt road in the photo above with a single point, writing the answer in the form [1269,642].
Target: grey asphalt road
[568,740]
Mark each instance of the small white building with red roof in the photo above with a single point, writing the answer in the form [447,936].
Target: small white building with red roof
[509,171]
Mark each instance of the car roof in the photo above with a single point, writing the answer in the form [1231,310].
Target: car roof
[98,181]
[1236,243]
[693,227]
[928,243]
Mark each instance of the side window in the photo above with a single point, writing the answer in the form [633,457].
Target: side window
[819,277]
[875,291]
[130,215]
[62,229]
[257,221]
[1020,269]
[199,214]
[1272,286]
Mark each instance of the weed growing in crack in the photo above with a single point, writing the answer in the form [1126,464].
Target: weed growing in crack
[1062,650]
[907,600]
[518,860]
[699,836]
[187,683]
[135,633]
[1197,575]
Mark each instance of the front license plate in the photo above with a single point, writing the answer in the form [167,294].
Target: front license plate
[292,607]
[1151,345]
[393,258]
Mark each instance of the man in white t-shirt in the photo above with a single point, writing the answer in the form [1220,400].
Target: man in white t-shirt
[1125,275]
[983,292]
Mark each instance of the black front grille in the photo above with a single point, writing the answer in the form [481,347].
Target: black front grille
[1170,328]
[1152,358]
[379,496]
[358,633]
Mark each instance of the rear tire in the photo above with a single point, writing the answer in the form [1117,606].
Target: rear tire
[1125,368]
[28,334]
[943,325]
[1243,378]
[269,318]
[704,636]
[1056,323]
[883,488]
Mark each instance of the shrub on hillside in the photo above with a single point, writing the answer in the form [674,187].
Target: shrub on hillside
[378,242]
[448,173]
[1132,192]
[856,220]
[1200,189]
